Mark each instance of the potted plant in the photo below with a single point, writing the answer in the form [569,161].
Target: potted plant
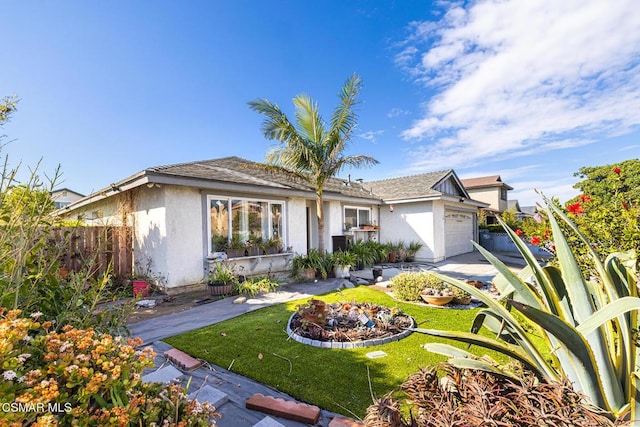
[412,249]
[343,261]
[435,291]
[144,279]
[272,246]
[222,280]
[219,243]
[305,267]
[237,247]
[437,296]
[255,246]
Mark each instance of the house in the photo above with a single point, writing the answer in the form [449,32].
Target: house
[489,189]
[179,212]
[432,208]
[63,196]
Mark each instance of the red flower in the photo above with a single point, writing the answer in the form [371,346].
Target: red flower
[617,170]
[585,198]
[625,206]
[575,208]
[553,248]
[535,240]
[519,232]
[547,233]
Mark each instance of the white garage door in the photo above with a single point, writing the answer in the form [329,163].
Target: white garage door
[458,233]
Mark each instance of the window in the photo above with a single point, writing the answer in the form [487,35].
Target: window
[356,217]
[244,218]
[503,193]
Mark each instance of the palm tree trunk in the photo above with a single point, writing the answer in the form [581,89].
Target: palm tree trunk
[320,215]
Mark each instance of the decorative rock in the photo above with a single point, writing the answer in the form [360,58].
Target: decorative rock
[210,394]
[146,303]
[268,422]
[240,300]
[163,375]
[376,354]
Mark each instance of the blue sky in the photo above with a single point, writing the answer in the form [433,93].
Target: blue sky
[531,91]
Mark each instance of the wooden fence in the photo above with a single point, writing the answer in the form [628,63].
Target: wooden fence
[98,247]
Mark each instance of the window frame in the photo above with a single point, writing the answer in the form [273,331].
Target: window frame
[357,209]
[245,200]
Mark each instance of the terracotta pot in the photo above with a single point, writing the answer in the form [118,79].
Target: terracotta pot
[436,300]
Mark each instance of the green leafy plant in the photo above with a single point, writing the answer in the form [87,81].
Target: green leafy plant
[314,259]
[408,286]
[222,274]
[412,249]
[586,322]
[255,285]
[344,258]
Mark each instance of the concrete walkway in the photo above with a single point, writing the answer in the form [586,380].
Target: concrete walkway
[229,391]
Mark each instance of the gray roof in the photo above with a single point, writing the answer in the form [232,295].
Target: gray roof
[241,171]
[411,187]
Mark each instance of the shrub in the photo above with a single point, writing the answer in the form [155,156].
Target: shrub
[588,322]
[476,398]
[255,285]
[407,286]
[94,378]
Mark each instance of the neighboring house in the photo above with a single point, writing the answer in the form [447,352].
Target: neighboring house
[178,213]
[63,196]
[529,211]
[432,208]
[491,190]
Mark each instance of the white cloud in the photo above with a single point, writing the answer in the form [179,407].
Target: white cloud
[395,112]
[514,78]
[371,135]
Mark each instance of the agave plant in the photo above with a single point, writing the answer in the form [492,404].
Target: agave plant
[587,324]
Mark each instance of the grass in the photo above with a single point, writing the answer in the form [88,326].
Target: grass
[256,345]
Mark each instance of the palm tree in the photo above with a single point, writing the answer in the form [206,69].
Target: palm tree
[310,148]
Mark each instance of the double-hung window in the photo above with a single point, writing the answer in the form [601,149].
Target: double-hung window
[243,219]
[356,217]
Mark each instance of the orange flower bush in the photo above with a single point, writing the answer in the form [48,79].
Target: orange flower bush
[81,377]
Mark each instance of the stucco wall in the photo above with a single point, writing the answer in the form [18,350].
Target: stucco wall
[297,224]
[411,222]
[185,224]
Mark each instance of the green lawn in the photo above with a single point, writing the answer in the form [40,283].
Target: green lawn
[333,379]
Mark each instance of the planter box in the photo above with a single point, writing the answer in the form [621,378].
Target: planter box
[217,289]
[236,253]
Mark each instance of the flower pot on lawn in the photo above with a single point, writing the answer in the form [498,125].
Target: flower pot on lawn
[436,299]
